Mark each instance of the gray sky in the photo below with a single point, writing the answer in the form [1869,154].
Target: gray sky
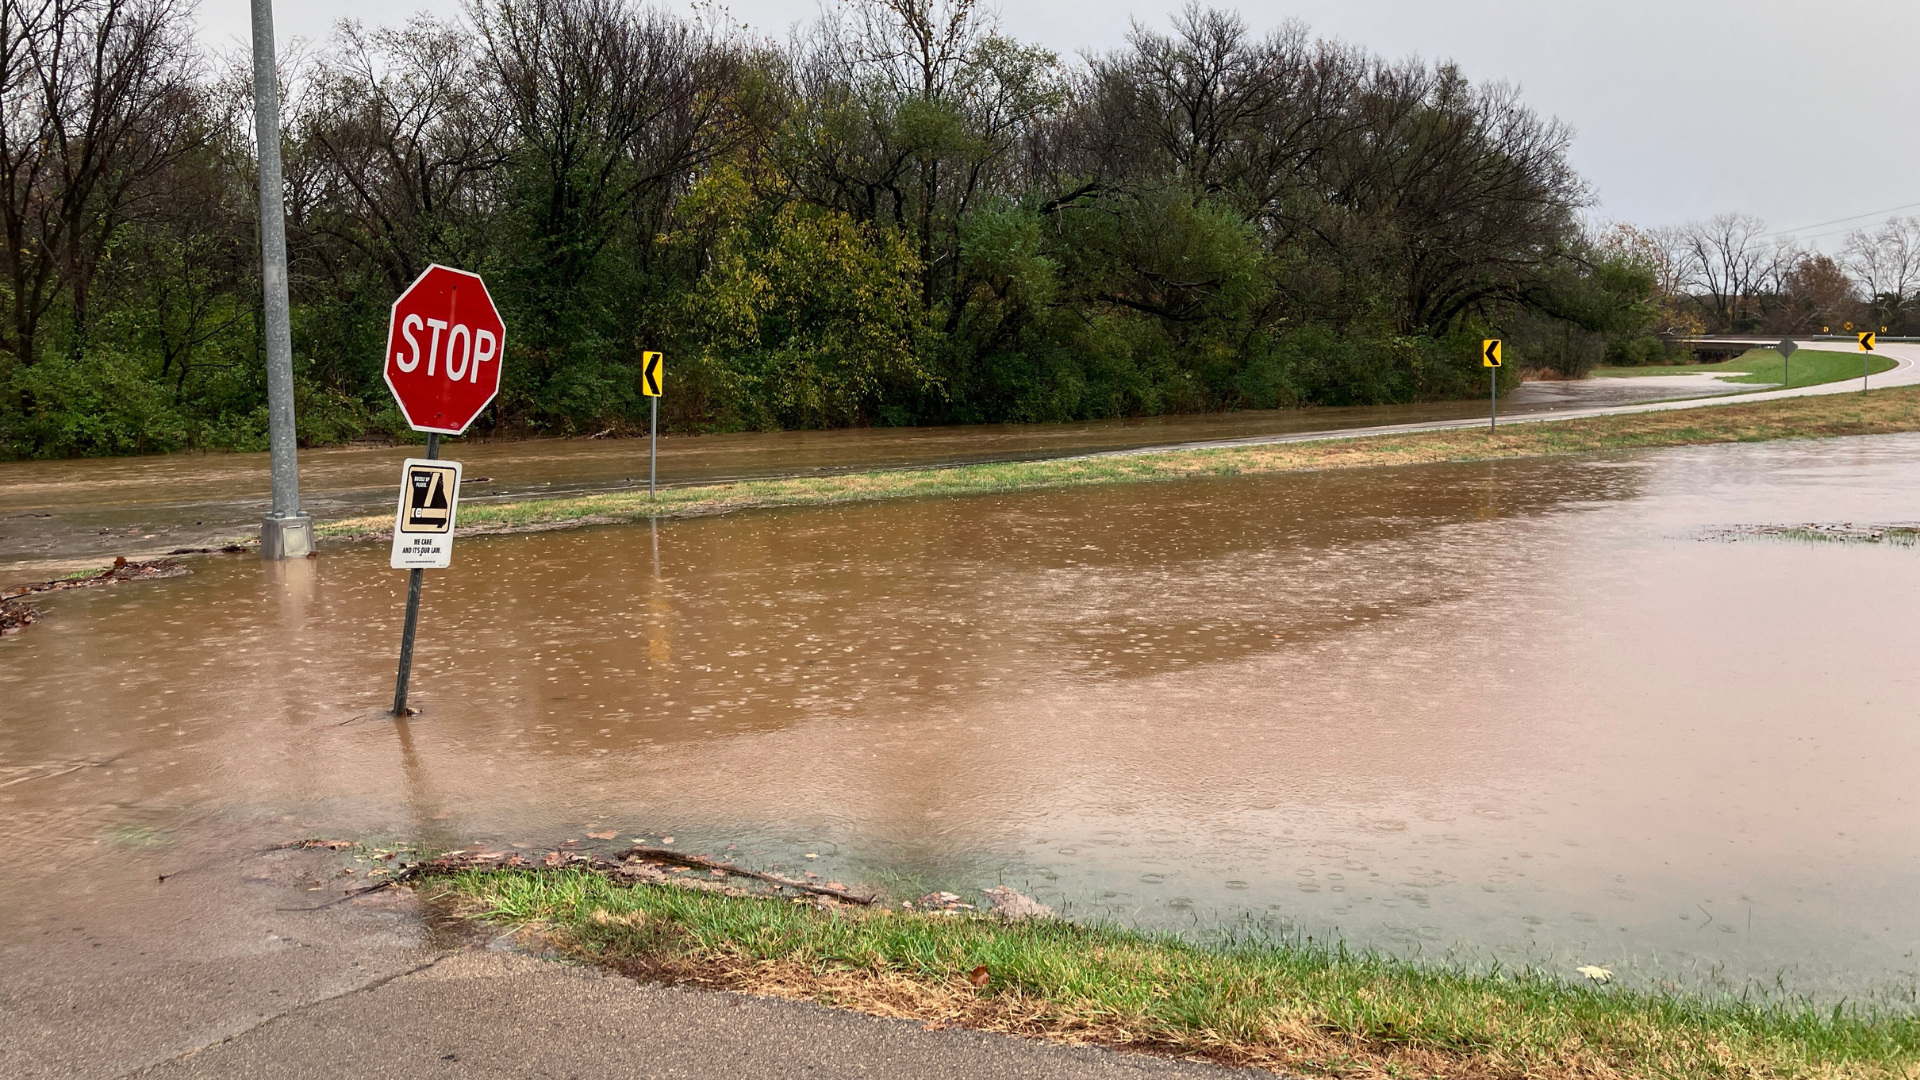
[1793,110]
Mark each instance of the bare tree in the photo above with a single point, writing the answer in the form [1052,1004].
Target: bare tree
[96,98]
[1886,262]
[1732,267]
[399,144]
[1229,112]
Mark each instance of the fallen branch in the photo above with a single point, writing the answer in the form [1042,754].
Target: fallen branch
[355,893]
[624,865]
[696,862]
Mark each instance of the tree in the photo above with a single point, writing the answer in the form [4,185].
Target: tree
[1886,262]
[97,98]
[398,144]
[1816,294]
[608,111]
[1732,267]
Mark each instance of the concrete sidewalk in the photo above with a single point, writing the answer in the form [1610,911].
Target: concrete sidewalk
[489,1014]
[220,957]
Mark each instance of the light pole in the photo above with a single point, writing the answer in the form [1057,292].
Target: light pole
[286,532]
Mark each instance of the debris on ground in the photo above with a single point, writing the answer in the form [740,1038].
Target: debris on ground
[1016,905]
[942,901]
[121,570]
[643,864]
[15,617]
[1898,534]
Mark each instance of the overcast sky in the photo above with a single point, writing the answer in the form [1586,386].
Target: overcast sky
[1797,111]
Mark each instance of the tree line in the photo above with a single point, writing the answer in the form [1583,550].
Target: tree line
[898,215]
[1730,275]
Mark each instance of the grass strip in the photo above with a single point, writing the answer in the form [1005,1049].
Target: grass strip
[1297,1008]
[1875,412]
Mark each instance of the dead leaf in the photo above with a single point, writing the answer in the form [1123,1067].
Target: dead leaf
[979,976]
[603,835]
[666,840]
[934,1025]
[836,885]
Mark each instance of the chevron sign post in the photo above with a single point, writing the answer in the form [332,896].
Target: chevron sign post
[1490,359]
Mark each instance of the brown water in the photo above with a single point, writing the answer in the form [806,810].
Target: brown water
[1516,710]
[60,514]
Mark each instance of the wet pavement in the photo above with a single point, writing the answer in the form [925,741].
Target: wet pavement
[60,515]
[1536,711]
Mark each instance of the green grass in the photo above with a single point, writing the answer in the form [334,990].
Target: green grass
[1766,366]
[1876,412]
[1289,1007]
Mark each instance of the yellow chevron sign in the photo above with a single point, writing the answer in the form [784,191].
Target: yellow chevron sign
[653,372]
[1866,341]
[1490,352]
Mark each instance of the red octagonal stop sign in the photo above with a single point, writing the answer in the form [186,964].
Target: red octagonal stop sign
[443,350]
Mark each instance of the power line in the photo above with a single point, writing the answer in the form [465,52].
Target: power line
[1855,217]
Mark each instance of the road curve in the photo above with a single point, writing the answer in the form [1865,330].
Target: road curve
[1905,372]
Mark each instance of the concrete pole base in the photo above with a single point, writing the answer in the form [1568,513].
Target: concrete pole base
[287,536]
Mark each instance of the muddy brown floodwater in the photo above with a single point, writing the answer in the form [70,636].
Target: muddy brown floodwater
[1531,711]
[59,515]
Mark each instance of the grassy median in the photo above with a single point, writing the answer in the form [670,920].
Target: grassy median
[1283,1007]
[1876,412]
[1766,367]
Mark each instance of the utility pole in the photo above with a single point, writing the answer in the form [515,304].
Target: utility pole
[286,532]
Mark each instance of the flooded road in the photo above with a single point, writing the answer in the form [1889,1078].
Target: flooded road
[1533,711]
[59,515]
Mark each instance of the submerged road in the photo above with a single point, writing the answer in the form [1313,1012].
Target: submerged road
[65,515]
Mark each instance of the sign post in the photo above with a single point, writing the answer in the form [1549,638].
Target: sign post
[1866,358]
[653,376]
[286,532]
[1786,349]
[1490,359]
[445,340]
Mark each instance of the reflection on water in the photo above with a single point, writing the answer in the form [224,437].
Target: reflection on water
[1512,710]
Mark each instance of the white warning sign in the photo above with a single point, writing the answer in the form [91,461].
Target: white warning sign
[423,526]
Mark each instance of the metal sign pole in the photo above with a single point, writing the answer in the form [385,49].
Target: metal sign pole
[1493,399]
[653,448]
[413,614]
[285,532]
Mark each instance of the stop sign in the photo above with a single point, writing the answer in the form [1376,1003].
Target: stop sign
[443,350]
